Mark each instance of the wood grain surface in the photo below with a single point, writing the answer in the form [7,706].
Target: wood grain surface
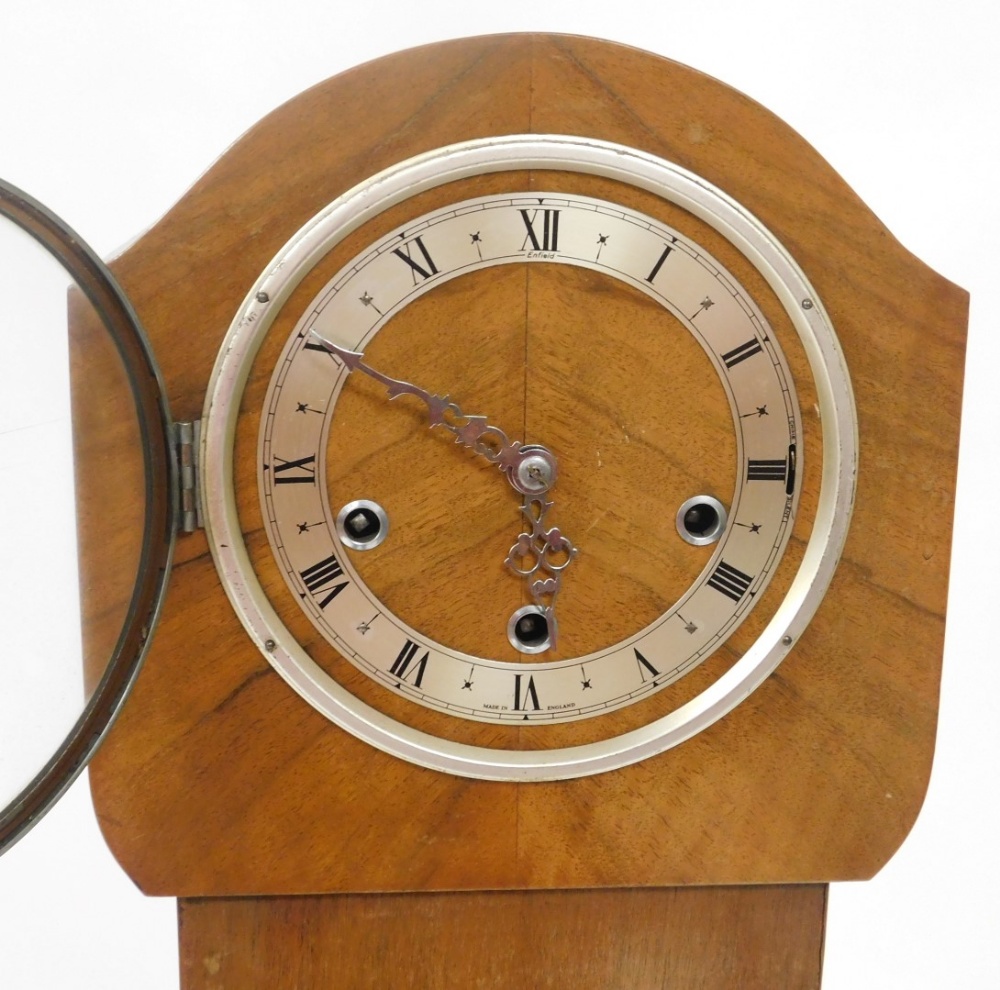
[219,780]
[693,938]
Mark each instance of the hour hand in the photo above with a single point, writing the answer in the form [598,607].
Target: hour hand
[540,556]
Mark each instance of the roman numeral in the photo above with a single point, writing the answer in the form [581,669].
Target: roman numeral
[659,263]
[729,581]
[300,472]
[741,353]
[401,665]
[528,695]
[416,268]
[643,662]
[767,470]
[320,580]
[550,230]
[775,470]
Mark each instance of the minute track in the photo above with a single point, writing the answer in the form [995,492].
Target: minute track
[633,248]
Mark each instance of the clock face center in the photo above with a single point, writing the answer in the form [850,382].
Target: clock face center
[536,473]
[533,349]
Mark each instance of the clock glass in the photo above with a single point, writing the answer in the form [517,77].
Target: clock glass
[53,715]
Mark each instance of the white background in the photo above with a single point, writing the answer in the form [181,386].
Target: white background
[110,110]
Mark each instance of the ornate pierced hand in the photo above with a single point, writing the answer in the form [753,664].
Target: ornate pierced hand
[539,556]
[530,468]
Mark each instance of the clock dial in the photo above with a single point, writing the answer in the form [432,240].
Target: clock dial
[615,326]
[748,528]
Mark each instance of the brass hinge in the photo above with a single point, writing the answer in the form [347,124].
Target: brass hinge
[187,441]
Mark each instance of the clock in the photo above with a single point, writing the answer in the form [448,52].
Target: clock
[686,528]
[573,540]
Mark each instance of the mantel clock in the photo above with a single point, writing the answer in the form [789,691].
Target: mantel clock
[557,549]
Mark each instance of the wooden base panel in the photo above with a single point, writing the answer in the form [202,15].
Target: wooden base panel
[686,938]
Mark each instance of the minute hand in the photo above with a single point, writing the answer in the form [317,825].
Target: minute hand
[530,468]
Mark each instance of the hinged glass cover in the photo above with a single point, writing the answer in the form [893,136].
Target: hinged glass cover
[61,692]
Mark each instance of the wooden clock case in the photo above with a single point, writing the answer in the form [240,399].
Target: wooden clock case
[298,850]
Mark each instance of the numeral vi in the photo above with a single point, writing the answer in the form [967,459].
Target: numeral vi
[525,694]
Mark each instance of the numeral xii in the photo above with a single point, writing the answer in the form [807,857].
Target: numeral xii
[543,229]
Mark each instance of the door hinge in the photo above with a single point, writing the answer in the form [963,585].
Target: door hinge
[187,443]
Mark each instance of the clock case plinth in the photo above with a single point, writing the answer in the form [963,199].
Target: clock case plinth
[218,781]
[755,938]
